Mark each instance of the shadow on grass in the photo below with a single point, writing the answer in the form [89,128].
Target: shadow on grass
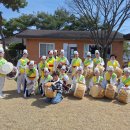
[119,103]
[12,94]
[40,103]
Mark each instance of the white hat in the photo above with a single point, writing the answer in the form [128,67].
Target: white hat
[76,53]
[31,62]
[66,77]
[62,51]
[110,68]
[46,70]
[1,50]
[96,70]
[63,67]
[89,54]
[97,52]
[80,68]
[25,51]
[43,57]
[6,68]
[55,51]
[51,52]
[126,70]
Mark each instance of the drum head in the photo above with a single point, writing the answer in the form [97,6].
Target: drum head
[6,68]
[94,91]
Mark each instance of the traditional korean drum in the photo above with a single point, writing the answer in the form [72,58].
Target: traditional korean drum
[110,91]
[79,90]
[118,72]
[97,91]
[88,73]
[48,90]
[124,96]
[6,68]
[101,68]
[13,74]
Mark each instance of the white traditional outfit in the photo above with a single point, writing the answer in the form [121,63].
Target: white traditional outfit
[31,76]
[21,65]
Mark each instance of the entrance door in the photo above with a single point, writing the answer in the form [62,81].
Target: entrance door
[69,50]
[72,49]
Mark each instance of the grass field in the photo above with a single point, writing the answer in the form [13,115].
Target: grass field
[17,113]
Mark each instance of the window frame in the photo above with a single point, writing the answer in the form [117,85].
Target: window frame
[95,44]
[45,43]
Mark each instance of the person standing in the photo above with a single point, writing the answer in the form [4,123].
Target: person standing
[2,76]
[21,65]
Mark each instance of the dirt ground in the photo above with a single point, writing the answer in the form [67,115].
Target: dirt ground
[17,113]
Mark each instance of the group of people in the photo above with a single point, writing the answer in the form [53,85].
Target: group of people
[56,68]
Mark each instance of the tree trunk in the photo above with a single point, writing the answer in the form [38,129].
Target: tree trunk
[104,55]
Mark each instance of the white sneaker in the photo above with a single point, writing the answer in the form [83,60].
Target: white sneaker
[2,96]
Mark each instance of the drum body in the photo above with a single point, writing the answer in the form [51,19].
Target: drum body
[110,91]
[13,74]
[97,91]
[88,73]
[79,90]
[124,95]
[118,72]
[48,91]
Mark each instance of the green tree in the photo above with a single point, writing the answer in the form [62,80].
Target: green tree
[16,25]
[15,5]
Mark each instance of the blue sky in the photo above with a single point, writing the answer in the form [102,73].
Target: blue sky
[47,6]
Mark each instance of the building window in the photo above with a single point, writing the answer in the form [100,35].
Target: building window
[92,48]
[45,47]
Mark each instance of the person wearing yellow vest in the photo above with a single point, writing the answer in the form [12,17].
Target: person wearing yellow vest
[76,62]
[31,76]
[96,79]
[125,80]
[62,60]
[113,62]
[47,78]
[79,78]
[51,62]
[21,65]
[43,64]
[62,72]
[98,60]
[2,76]
[88,62]
[110,77]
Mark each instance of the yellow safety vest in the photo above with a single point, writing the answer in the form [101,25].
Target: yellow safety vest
[49,78]
[51,62]
[114,64]
[108,77]
[31,73]
[62,60]
[23,64]
[95,80]
[87,62]
[126,81]
[76,62]
[97,61]
[42,66]
[2,62]
[129,64]
[80,79]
